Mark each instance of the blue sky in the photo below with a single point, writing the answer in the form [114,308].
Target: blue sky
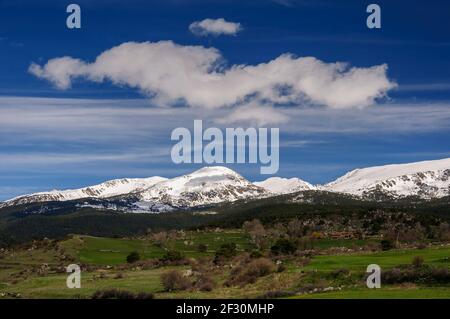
[91,132]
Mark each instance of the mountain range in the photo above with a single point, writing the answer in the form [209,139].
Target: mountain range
[213,185]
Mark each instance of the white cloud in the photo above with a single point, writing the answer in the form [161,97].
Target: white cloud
[214,27]
[170,73]
[59,71]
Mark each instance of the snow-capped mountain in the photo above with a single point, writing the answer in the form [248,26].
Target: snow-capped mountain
[427,179]
[279,185]
[213,185]
[209,185]
[107,189]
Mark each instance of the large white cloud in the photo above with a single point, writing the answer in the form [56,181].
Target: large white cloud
[170,73]
[214,27]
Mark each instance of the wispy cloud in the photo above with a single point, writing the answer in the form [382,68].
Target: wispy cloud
[41,137]
[135,121]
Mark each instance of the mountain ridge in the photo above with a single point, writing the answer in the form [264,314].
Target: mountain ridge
[426,179]
[215,184]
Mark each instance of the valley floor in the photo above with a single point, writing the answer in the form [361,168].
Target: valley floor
[38,272]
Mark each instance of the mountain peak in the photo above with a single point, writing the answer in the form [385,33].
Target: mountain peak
[205,186]
[425,179]
[279,185]
[214,170]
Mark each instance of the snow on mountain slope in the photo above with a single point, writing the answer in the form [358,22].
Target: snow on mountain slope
[104,190]
[209,185]
[279,185]
[212,185]
[427,179]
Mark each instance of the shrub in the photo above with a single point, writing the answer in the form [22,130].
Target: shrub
[371,247]
[160,239]
[417,261]
[120,294]
[441,275]
[226,251]
[422,245]
[200,264]
[387,244]
[241,259]
[411,274]
[281,268]
[205,283]
[283,247]
[119,276]
[260,267]
[256,254]
[174,280]
[133,257]
[249,273]
[173,255]
[202,248]
[256,231]
[342,272]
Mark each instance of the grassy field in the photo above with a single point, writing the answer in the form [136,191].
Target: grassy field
[438,256]
[383,293]
[17,271]
[113,251]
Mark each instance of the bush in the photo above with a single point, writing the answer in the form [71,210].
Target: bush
[119,276]
[387,244]
[205,283]
[284,247]
[281,268]
[120,294]
[200,264]
[422,245]
[417,261]
[441,275]
[133,257]
[174,280]
[249,273]
[202,248]
[256,254]
[226,251]
[173,255]
[424,275]
[338,273]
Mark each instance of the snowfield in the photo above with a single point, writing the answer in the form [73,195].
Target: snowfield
[427,179]
[279,185]
[216,184]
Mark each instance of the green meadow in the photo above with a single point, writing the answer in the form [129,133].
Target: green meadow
[113,251]
[107,253]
